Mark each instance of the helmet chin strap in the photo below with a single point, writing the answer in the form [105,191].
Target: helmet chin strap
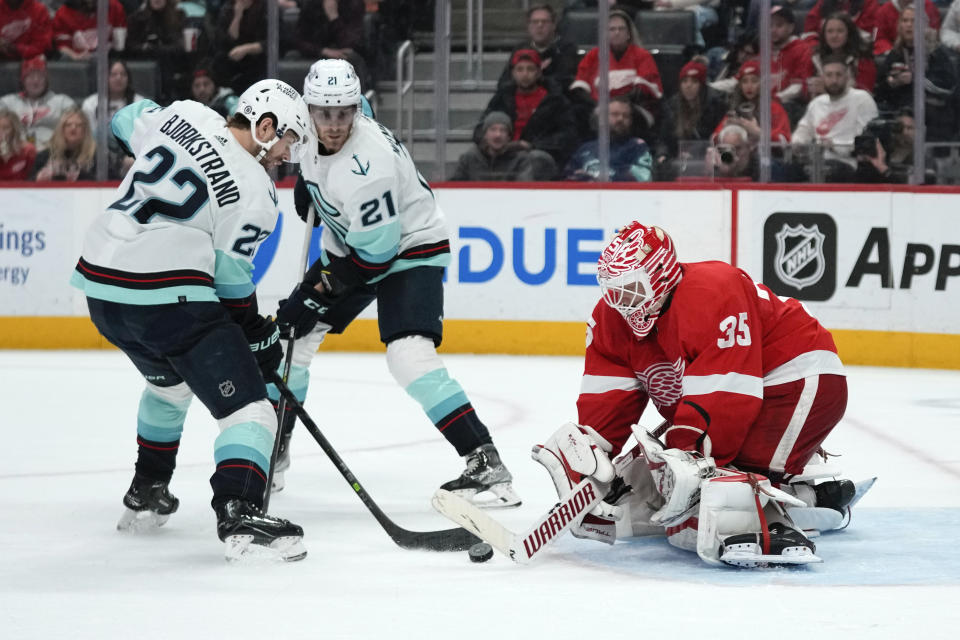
[264,146]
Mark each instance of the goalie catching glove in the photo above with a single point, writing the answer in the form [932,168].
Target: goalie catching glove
[576,451]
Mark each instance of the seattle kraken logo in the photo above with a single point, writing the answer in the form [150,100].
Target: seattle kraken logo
[363,169]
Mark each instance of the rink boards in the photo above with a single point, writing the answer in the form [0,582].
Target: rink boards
[879,267]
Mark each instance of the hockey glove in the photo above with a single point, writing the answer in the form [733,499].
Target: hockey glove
[264,337]
[300,312]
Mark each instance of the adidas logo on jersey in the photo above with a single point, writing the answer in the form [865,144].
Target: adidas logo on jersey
[221,140]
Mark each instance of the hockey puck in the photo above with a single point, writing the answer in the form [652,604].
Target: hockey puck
[480,552]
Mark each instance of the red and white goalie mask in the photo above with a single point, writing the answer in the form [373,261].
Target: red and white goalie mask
[636,272]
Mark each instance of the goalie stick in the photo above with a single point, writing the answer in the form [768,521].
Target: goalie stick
[458,539]
[524,547]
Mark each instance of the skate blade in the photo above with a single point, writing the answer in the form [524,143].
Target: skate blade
[498,496]
[141,521]
[241,548]
[751,556]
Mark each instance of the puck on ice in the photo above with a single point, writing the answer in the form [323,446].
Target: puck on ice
[480,552]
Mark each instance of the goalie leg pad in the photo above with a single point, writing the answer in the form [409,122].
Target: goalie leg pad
[732,524]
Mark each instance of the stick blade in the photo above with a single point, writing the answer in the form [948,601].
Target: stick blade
[475,521]
[457,539]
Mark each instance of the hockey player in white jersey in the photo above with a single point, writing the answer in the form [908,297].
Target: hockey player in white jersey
[385,240]
[166,269]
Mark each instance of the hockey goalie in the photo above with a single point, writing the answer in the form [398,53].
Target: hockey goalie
[749,386]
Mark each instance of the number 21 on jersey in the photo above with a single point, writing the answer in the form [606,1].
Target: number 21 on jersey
[734,330]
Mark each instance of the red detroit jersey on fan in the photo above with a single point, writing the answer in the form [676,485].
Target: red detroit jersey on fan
[720,343]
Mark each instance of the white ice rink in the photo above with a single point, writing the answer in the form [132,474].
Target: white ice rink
[68,423]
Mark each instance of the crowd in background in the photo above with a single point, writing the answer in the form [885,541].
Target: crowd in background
[841,78]
[840,109]
[205,50]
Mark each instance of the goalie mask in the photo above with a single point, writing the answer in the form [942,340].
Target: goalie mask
[276,98]
[636,272]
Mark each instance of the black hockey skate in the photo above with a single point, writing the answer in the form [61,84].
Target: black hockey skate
[786,546]
[835,494]
[247,530]
[283,463]
[485,482]
[148,503]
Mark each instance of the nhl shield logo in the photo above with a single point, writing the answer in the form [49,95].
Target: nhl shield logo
[227,389]
[799,261]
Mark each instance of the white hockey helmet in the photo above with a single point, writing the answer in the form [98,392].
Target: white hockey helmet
[332,83]
[279,99]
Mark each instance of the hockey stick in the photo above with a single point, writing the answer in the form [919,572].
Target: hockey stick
[287,363]
[524,547]
[457,539]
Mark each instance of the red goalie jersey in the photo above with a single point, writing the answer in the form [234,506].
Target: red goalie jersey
[752,378]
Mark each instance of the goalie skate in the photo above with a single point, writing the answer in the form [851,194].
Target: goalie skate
[485,482]
[786,546]
[249,533]
[147,505]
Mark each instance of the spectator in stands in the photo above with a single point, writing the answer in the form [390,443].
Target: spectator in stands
[16,154]
[119,90]
[692,113]
[38,107]
[704,11]
[950,31]
[25,29]
[840,35]
[835,118]
[75,27]
[630,159]
[493,157]
[240,44]
[334,29]
[891,160]
[204,90]
[735,156]
[156,29]
[744,48]
[894,89]
[121,93]
[790,61]
[558,56]
[156,33]
[888,19]
[862,12]
[72,152]
[744,107]
[542,118]
[633,72]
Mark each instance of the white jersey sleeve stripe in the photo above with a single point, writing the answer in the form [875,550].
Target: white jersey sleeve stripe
[803,366]
[602,384]
[726,382]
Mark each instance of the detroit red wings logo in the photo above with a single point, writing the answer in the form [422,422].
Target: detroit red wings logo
[830,121]
[663,382]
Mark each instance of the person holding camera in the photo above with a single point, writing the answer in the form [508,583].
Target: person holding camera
[835,118]
[745,107]
[884,151]
[734,157]
[894,89]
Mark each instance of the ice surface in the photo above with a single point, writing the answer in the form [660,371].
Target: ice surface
[68,426]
